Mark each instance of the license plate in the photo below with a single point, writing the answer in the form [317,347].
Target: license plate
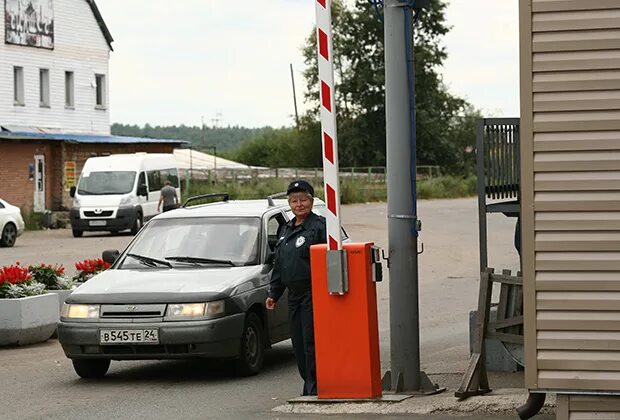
[143,336]
[97,223]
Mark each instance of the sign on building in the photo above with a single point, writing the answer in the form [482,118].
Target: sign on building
[29,23]
[69,174]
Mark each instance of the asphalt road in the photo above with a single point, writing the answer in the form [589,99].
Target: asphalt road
[38,381]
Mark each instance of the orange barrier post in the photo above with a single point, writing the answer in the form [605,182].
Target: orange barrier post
[346,332]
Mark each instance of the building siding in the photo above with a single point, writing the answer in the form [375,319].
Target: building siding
[570,77]
[79,46]
[16,156]
[586,407]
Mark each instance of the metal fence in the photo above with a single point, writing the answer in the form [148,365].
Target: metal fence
[371,174]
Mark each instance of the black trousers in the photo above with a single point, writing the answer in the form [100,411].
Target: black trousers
[168,208]
[302,334]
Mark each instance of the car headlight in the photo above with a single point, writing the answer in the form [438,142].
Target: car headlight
[76,202]
[127,201]
[70,310]
[192,310]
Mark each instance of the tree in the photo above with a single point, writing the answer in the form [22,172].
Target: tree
[360,88]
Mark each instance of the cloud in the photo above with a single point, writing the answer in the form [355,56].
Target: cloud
[483,54]
[174,62]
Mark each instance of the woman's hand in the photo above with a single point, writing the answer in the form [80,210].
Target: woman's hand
[270,303]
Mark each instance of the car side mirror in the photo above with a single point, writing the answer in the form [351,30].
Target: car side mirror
[110,255]
[142,190]
[72,192]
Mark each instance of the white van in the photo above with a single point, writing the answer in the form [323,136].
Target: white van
[119,192]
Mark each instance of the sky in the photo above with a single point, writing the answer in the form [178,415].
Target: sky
[176,62]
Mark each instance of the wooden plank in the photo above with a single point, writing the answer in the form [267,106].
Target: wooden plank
[506,322]
[506,338]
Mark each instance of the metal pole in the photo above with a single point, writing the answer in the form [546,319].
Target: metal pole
[402,213]
[202,130]
[294,97]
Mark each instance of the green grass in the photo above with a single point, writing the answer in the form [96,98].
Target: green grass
[447,187]
[32,220]
[358,191]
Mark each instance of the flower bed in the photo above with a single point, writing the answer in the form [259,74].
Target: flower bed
[89,268]
[27,313]
[17,282]
[53,277]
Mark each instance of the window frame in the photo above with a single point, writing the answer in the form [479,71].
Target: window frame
[19,95]
[100,91]
[69,90]
[44,88]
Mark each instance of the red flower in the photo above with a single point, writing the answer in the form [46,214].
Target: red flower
[14,274]
[92,266]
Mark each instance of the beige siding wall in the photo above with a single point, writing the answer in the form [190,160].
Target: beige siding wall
[570,77]
[587,407]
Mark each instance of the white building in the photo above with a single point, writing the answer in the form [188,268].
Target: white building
[54,58]
[54,100]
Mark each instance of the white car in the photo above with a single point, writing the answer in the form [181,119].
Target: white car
[11,224]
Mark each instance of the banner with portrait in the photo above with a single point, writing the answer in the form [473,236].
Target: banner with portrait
[29,23]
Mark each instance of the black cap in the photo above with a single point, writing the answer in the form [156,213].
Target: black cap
[300,185]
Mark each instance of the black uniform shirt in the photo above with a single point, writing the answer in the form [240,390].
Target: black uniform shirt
[292,260]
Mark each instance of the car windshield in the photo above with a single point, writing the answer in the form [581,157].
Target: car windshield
[192,242]
[106,182]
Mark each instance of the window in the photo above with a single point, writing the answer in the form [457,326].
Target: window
[100,81]
[142,179]
[44,87]
[18,86]
[69,96]
[273,230]
[158,178]
[233,239]
[107,182]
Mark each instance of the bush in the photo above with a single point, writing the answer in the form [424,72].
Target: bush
[357,190]
[53,277]
[447,187]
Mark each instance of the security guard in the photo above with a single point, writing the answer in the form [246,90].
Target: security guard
[292,270]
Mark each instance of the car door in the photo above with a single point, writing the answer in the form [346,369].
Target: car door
[278,318]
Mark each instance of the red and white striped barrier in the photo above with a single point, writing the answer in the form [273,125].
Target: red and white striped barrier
[328,121]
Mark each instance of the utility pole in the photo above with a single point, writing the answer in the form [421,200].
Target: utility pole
[202,130]
[403,224]
[294,97]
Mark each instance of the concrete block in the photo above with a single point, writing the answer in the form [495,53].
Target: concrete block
[497,358]
[28,320]
[62,295]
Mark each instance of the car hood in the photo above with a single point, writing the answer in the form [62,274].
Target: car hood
[165,285]
[109,200]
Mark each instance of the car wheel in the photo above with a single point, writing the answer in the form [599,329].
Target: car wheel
[137,224]
[77,233]
[9,234]
[252,351]
[90,369]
